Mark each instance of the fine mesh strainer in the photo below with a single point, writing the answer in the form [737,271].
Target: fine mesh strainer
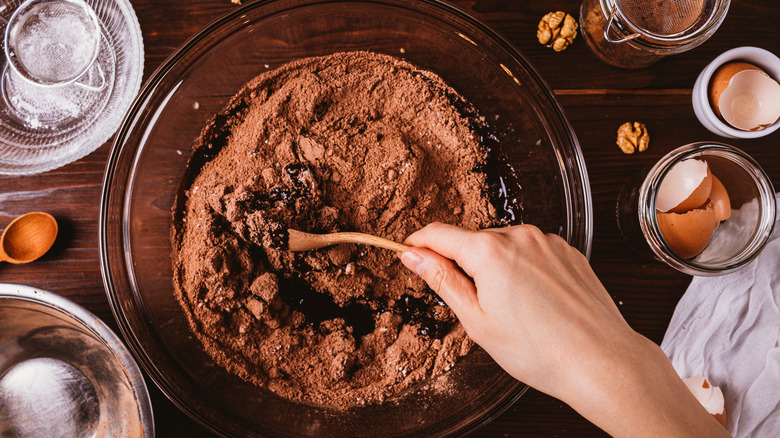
[52,42]
[636,33]
[668,18]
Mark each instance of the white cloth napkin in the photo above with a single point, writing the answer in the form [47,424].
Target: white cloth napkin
[727,329]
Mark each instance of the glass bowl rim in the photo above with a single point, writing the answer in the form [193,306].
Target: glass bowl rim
[577,174]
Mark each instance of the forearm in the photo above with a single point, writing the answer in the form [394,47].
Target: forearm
[638,393]
[535,305]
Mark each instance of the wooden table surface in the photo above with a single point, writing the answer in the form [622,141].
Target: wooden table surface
[597,98]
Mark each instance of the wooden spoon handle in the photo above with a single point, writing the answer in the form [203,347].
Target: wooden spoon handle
[367,239]
[300,241]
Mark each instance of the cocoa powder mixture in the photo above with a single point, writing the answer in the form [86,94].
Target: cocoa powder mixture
[348,142]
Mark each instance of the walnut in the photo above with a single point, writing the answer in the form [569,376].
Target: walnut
[557,30]
[631,138]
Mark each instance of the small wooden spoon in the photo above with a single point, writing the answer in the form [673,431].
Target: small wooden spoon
[300,241]
[28,237]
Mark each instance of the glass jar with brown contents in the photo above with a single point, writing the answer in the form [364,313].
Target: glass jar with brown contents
[635,34]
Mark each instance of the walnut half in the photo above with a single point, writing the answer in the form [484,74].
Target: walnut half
[632,138]
[557,30]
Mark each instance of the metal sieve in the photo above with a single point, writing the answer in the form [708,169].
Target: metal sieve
[667,18]
[636,33]
[52,42]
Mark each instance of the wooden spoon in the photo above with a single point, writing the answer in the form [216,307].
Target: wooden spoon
[300,241]
[28,237]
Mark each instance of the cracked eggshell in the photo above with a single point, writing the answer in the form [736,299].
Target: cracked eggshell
[721,78]
[688,233]
[685,187]
[720,200]
[711,397]
[745,96]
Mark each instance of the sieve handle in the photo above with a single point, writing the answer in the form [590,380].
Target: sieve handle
[95,88]
[608,27]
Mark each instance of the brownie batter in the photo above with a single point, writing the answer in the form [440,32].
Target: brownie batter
[353,141]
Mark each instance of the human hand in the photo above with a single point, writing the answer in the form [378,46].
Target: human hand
[535,305]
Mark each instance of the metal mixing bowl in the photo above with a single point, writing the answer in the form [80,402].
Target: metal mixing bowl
[63,372]
[155,143]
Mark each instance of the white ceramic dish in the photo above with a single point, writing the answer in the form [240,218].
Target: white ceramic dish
[761,58]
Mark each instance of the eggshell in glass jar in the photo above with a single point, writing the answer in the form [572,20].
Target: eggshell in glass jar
[685,187]
[720,200]
[688,233]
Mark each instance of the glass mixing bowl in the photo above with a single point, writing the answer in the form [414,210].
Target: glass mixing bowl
[155,142]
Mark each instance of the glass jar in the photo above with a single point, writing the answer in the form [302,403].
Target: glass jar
[737,240]
[635,33]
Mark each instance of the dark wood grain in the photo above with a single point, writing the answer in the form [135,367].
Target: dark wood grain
[596,97]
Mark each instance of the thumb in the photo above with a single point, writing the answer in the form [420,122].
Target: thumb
[446,279]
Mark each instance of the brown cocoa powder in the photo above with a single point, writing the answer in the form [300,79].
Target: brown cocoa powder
[348,142]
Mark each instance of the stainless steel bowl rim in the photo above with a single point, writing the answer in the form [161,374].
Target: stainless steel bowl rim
[101,331]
